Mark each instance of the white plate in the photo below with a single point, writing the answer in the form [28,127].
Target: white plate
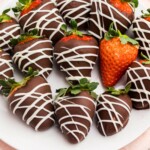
[22,137]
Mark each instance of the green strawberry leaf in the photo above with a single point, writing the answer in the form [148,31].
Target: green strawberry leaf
[115,92]
[1,20]
[75,91]
[146,14]
[112,33]
[147,62]
[5,18]
[83,82]
[20,5]
[64,27]
[61,92]
[33,33]
[31,72]
[84,85]
[9,85]
[73,24]
[73,31]
[6,11]
[92,86]
[125,39]
[127,88]
[79,33]
[134,3]
[94,95]
[3,83]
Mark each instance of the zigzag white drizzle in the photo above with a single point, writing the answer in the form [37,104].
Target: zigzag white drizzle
[26,54]
[68,13]
[39,23]
[21,98]
[139,80]
[65,103]
[8,63]
[8,32]
[100,15]
[141,33]
[109,107]
[77,57]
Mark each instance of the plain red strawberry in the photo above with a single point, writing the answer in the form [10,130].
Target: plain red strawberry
[117,52]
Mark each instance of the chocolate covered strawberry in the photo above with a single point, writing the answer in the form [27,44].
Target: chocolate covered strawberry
[141,28]
[30,100]
[75,9]
[9,29]
[113,111]
[117,52]
[6,69]
[31,50]
[103,12]
[75,109]
[40,14]
[138,75]
[76,53]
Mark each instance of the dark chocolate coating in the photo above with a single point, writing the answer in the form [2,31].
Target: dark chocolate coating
[141,29]
[101,17]
[112,113]
[138,76]
[76,58]
[75,115]
[75,9]
[37,53]
[8,30]
[48,22]
[33,103]
[6,69]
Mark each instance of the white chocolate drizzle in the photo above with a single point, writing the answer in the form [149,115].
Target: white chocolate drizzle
[77,57]
[7,34]
[101,16]
[105,105]
[138,80]
[43,23]
[26,54]
[68,14]
[65,103]
[8,63]
[141,34]
[22,98]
